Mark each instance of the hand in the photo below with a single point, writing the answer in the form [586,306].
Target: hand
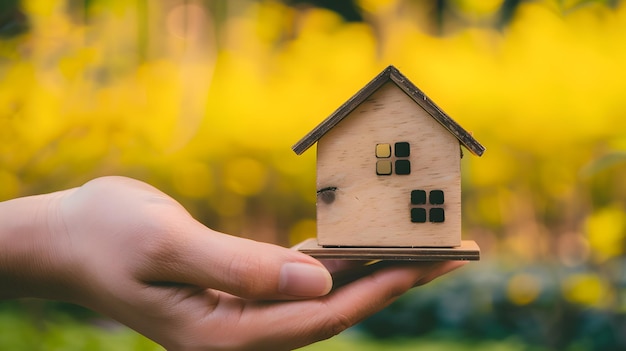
[125,249]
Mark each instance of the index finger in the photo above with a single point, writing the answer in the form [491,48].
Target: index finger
[307,321]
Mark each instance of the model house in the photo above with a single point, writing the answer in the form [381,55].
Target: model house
[388,169]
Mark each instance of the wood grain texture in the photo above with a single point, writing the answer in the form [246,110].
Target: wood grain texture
[375,210]
[390,74]
[467,251]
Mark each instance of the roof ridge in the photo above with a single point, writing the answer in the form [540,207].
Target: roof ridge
[390,73]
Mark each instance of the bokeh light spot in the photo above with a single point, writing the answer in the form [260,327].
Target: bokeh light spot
[585,289]
[523,289]
[606,229]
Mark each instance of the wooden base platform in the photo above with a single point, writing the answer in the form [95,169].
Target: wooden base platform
[468,251]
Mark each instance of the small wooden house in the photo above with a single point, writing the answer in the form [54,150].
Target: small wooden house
[388,169]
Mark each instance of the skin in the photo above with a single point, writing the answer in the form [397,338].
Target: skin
[127,250]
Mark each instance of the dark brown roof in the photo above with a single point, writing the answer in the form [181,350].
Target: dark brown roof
[390,74]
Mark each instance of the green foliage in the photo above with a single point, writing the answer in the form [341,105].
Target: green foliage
[360,343]
[544,306]
[22,334]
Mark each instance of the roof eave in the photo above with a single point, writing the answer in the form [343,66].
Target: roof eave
[436,112]
[331,121]
[390,74]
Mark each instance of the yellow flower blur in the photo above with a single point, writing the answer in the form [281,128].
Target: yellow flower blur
[205,102]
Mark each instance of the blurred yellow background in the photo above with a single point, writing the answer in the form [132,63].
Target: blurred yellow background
[204,99]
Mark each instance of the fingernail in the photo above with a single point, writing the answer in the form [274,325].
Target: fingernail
[304,280]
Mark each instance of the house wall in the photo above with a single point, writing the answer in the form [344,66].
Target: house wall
[359,207]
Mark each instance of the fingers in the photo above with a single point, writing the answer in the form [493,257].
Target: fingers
[387,280]
[354,302]
[439,270]
[238,266]
[164,245]
[347,271]
[313,320]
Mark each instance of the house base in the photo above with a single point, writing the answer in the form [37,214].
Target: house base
[468,251]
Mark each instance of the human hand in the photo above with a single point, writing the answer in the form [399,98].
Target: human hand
[125,249]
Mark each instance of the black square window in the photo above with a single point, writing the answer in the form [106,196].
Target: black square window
[436,197]
[418,215]
[418,197]
[436,215]
[402,149]
[403,167]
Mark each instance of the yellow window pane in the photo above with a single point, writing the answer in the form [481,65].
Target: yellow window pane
[383,150]
[383,167]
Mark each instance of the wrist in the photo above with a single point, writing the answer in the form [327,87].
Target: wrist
[34,252]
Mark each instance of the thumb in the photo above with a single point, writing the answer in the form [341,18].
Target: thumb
[241,267]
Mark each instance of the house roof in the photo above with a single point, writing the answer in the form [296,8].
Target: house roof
[390,74]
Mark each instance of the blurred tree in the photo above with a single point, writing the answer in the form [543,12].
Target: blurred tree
[12,20]
[348,10]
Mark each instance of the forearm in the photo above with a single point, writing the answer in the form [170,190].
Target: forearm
[29,259]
